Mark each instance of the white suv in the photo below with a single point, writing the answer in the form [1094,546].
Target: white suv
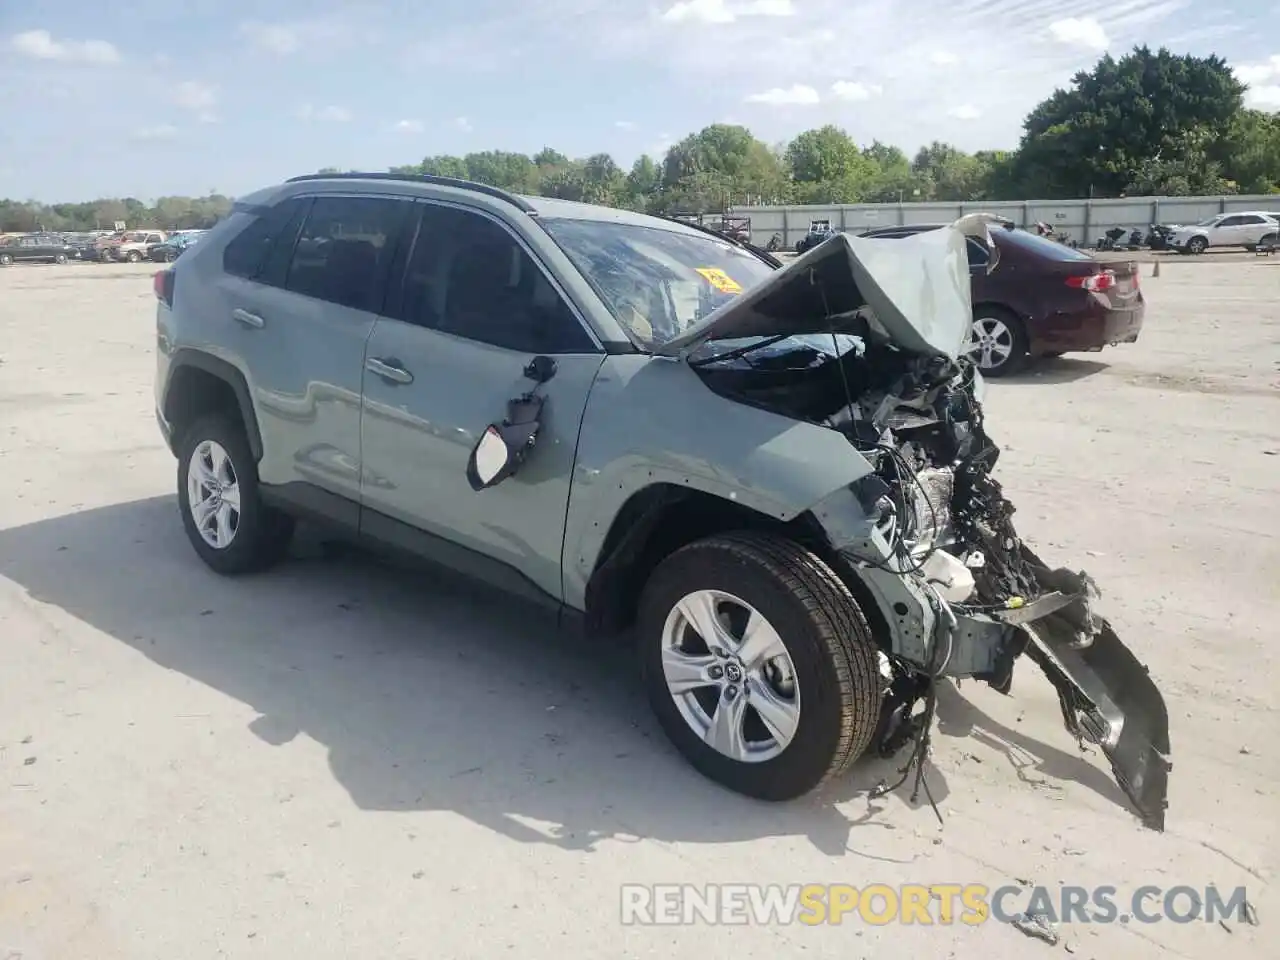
[1246,230]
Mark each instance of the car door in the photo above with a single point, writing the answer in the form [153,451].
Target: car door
[1227,232]
[470,310]
[303,287]
[1253,228]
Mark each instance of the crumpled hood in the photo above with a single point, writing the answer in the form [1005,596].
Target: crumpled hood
[917,287]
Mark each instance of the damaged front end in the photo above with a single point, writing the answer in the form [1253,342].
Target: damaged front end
[864,337]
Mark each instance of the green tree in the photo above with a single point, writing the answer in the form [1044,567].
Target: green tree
[724,159]
[1250,153]
[1093,137]
[828,167]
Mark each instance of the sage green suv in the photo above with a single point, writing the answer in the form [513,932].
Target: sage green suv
[777,480]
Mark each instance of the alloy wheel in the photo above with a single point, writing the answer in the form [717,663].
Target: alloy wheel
[991,343]
[213,494]
[731,676]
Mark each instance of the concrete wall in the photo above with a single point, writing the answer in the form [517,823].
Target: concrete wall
[1082,220]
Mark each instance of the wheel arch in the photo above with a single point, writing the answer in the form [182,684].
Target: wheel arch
[200,384]
[659,519]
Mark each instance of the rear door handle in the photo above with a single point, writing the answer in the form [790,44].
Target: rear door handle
[247,318]
[388,368]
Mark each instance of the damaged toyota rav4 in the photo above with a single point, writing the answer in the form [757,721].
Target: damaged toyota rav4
[777,479]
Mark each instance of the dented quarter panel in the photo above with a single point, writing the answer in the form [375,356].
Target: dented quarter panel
[769,463]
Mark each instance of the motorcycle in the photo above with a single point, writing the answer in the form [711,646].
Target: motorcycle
[1111,239]
[1158,236]
[774,244]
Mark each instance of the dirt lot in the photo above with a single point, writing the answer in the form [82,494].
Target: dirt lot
[334,760]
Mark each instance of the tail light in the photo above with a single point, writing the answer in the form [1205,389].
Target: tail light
[162,284]
[1094,282]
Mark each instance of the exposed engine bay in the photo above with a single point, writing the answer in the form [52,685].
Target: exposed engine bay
[944,523]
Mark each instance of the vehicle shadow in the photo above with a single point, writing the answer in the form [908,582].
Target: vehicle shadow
[425,693]
[958,717]
[1056,370]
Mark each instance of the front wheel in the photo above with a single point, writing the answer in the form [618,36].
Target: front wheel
[1197,245]
[759,664]
[133,256]
[997,342]
[6,259]
[232,530]
[60,258]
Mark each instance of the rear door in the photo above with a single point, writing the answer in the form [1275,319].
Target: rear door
[1254,227]
[302,288]
[473,308]
[1228,232]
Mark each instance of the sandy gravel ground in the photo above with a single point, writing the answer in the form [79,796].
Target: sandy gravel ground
[339,760]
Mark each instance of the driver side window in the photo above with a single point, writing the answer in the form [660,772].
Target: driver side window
[1229,222]
[467,275]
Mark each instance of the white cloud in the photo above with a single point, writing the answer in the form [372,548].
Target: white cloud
[966,111]
[796,94]
[40,45]
[1084,32]
[943,58]
[624,124]
[463,124]
[191,95]
[1265,97]
[854,91]
[329,114]
[280,38]
[152,134]
[722,11]
[410,126]
[1263,80]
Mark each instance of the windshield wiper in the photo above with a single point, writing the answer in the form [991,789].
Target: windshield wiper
[741,351]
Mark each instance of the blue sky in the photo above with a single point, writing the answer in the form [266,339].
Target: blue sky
[156,97]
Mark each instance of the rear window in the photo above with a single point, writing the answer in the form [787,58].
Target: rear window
[1041,246]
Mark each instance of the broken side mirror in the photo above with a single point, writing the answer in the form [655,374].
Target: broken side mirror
[503,447]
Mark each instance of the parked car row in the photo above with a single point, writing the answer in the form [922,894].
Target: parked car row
[130,246]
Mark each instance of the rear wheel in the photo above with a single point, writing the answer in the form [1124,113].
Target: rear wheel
[6,259]
[759,664]
[1197,245]
[232,530]
[60,258]
[997,342]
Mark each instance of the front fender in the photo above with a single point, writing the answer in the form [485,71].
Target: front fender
[652,420]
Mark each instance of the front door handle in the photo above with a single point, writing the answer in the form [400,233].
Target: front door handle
[247,318]
[388,368]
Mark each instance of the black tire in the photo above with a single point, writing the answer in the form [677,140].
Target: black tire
[6,259]
[60,258]
[1017,358]
[1197,245]
[828,640]
[133,256]
[262,535]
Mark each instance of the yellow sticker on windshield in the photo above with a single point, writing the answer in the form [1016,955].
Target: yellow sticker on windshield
[720,280]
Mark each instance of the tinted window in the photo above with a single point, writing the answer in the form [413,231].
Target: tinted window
[342,253]
[468,276]
[1231,221]
[1252,219]
[1040,246]
[978,255]
[245,255]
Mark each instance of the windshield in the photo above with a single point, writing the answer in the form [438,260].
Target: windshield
[656,282]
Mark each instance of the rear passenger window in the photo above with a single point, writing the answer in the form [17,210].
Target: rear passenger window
[342,253]
[468,276]
[247,253]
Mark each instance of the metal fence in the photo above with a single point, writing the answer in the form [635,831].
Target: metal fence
[1081,220]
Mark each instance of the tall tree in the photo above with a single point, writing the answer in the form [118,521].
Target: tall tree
[1092,137]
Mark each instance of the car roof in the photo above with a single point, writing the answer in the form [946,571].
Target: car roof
[550,208]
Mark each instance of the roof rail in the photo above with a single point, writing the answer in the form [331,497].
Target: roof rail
[484,188]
